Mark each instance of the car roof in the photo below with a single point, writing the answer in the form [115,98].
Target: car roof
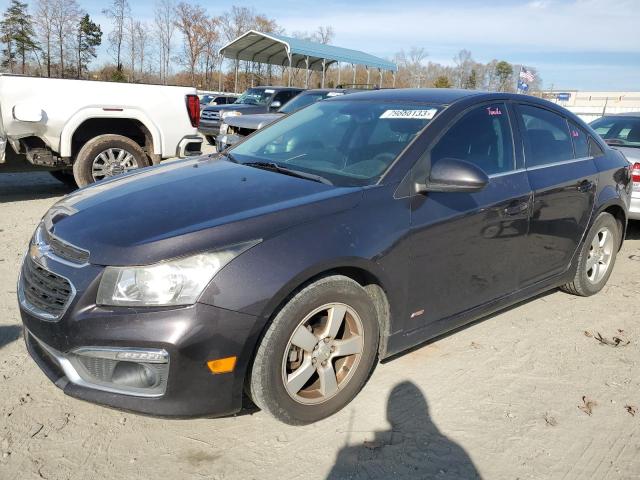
[263,87]
[426,95]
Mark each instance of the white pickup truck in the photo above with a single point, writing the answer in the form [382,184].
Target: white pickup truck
[83,131]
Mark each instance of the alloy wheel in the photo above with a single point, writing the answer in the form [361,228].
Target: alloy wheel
[112,161]
[600,255]
[323,353]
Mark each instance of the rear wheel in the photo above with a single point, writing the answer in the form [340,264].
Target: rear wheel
[211,140]
[106,156]
[597,257]
[318,352]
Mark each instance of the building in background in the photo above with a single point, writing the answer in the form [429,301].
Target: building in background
[592,105]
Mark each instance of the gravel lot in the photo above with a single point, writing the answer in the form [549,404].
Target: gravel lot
[538,391]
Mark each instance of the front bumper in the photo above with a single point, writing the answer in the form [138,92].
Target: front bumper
[190,335]
[207,127]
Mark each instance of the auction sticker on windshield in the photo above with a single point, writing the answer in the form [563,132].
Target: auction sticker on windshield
[419,114]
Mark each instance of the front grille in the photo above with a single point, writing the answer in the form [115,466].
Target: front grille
[45,293]
[207,115]
[65,250]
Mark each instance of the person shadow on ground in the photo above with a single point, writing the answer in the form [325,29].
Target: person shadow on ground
[413,448]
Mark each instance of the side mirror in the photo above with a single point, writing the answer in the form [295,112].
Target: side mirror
[27,112]
[454,175]
[275,104]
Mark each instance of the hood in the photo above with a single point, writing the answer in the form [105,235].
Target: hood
[240,107]
[188,206]
[253,122]
[632,154]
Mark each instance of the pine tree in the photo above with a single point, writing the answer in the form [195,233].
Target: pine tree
[18,35]
[89,37]
[472,81]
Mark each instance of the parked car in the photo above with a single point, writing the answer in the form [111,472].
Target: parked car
[622,131]
[83,131]
[216,99]
[344,233]
[235,128]
[253,100]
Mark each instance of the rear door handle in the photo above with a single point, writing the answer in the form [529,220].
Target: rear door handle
[516,209]
[585,186]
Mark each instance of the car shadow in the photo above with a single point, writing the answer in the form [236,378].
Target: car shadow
[9,333]
[17,187]
[413,447]
[633,230]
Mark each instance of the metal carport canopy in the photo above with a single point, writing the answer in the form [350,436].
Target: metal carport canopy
[276,49]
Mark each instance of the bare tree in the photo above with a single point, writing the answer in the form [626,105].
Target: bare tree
[65,18]
[118,13]
[131,43]
[324,34]
[143,40]
[211,37]
[189,21]
[165,26]
[44,26]
[464,64]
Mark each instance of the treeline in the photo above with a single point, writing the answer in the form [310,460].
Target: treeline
[180,46]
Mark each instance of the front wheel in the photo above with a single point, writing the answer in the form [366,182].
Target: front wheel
[106,156]
[318,352]
[597,257]
[65,177]
[211,140]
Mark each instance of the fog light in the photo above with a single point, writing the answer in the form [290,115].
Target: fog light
[134,375]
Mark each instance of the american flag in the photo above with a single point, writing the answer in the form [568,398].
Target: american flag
[526,75]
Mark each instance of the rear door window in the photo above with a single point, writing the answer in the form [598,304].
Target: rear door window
[580,141]
[482,137]
[546,136]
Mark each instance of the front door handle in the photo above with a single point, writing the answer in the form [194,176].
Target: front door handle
[516,209]
[585,186]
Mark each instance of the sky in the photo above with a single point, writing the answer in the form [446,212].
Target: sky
[574,44]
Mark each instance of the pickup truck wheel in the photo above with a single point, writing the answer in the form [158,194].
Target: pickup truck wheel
[106,156]
[318,352]
[65,177]
[211,140]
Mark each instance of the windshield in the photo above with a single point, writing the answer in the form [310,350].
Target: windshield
[205,99]
[349,143]
[305,99]
[255,96]
[622,131]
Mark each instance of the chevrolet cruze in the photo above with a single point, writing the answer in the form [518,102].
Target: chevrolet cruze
[288,265]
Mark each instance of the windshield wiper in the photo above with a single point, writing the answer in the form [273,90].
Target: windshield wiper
[287,171]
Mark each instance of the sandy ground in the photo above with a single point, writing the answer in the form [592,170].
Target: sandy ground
[528,393]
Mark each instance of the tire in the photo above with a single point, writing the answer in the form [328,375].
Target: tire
[65,177]
[274,356]
[590,280]
[88,168]
[211,140]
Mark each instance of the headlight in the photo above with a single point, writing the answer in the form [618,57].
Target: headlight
[231,113]
[223,129]
[174,282]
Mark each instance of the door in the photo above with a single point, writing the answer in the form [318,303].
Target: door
[465,246]
[563,179]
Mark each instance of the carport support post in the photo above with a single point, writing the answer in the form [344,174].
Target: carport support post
[289,56]
[368,76]
[394,79]
[306,73]
[380,72]
[354,73]
[338,75]
[220,77]
[324,66]
[235,86]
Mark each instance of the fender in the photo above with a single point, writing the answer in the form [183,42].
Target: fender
[105,112]
[609,197]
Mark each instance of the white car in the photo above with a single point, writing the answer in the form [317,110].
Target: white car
[622,131]
[84,131]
